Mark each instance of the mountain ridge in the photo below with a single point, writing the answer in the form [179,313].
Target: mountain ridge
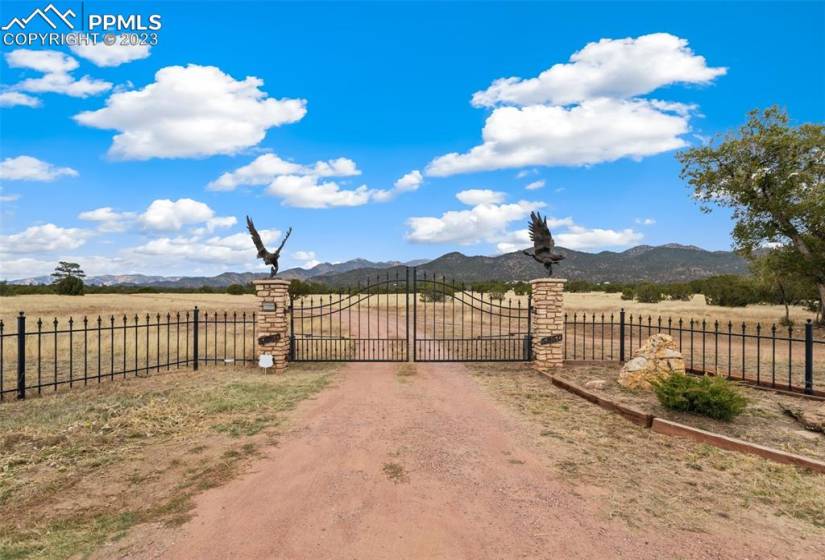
[664,263]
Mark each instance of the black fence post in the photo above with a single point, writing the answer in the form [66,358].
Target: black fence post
[195,320]
[21,356]
[809,358]
[621,335]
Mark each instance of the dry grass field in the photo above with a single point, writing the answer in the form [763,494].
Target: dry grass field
[51,306]
[156,334]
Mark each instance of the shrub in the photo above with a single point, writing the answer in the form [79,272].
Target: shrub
[432,296]
[69,286]
[729,291]
[713,397]
[628,293]
[235,290]
[679,292]
[497,295]
[648,293]
[522,288]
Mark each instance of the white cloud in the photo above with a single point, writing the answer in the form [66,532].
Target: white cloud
[525,173]
[645,221]
[617,68]
[578,237]
[101,54]
[56,67]
[265,168]
[191,111]
[306,258]
[474,197]
[232,250]
[595,131]
[27,267]
[46,61]
[46,237]
[587,111]
[304,186]
[15,98]
[65,84]
[167,215]
[535,185]
[108,219]
[9,197]
[406,183]
[28,168]
[409,182]
[305,191]
[488,222]
[482,223]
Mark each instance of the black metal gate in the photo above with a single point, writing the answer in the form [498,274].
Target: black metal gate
[455,323]
[379,320]
[365,323]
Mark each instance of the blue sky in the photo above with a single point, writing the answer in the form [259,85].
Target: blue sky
[121,171]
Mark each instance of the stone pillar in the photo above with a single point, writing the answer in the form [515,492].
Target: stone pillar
[272,324]
[548,322]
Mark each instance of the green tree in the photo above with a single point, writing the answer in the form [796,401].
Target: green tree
[235,289]
[68,279]
[69,286]
[648,293]
[771,175]
[729,290]
[778,280]
[67,270]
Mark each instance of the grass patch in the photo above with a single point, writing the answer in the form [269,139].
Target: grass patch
[81,467]
[395,472]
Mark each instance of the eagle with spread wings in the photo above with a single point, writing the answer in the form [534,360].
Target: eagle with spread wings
[543,244]
[268,257]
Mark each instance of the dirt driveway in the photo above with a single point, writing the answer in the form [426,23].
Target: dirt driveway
[416,461]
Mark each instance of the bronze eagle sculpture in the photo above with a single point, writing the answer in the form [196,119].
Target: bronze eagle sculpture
[543,244]
[268,258]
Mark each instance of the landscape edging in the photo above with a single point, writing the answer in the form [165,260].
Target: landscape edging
[670,428]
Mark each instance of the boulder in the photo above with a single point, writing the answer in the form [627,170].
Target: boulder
[658,358]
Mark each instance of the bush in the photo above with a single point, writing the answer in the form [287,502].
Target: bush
[628,293]
[648,293]
[713,397]
[729,291]
[69,286]
[235,290]
[432,296]
[522,288]
[679,292]
[497,295]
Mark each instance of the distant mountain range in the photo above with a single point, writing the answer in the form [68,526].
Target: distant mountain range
[664,263]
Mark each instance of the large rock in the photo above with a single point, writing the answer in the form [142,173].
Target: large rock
[657,359]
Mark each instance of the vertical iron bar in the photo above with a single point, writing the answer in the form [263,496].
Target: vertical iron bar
[809,358]
[195,321]
[621,335]
[21,356]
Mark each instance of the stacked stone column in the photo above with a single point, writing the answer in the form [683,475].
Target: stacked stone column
[272,323]
[548,322]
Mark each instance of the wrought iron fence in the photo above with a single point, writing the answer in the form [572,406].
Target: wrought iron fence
[42,355]
[780,357]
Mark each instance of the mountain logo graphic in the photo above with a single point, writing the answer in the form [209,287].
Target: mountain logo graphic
[43,14]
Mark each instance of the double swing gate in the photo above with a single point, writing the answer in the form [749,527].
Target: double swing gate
[404,314]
